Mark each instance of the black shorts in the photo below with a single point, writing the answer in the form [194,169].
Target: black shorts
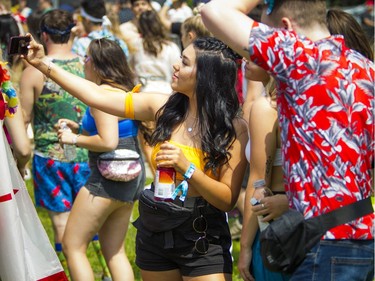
[175,249]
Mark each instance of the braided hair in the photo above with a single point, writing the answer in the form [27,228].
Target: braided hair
[217,102]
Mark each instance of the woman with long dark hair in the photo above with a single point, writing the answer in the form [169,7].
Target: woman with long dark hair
[200,134]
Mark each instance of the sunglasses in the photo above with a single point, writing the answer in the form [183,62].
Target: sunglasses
[202,243]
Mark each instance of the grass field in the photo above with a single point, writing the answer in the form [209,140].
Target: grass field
[129,243]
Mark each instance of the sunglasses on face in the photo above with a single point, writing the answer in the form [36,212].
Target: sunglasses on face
[202,243]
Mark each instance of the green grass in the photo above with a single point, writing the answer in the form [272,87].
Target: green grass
[129,242]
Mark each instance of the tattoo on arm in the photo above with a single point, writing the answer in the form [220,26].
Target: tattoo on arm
[268,166]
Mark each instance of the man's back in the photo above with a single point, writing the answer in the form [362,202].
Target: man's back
[52,104]
[326,100]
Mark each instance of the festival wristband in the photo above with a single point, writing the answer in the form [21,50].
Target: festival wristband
[183,186]
[189,172]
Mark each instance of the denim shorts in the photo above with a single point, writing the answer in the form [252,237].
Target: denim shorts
[56,183]
[338,260]
[157,251]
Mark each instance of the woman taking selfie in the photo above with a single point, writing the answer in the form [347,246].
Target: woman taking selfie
[200,135]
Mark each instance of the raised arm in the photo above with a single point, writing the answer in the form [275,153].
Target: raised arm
[163,14]
[221,17]
[89,92]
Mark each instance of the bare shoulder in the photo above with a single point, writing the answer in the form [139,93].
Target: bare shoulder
[262,108]
[32,76]
[31,70]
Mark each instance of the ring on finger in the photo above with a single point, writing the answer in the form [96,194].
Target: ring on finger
[262,205]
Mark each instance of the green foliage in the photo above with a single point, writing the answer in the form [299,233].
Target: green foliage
[129,242]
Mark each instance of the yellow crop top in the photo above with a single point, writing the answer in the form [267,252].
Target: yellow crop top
[194,155]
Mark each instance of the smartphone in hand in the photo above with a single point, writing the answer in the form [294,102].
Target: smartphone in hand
[18,45]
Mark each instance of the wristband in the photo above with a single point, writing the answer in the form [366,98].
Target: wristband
[75,138]
[259,183]
[189,172]
[183,186]
[49,69]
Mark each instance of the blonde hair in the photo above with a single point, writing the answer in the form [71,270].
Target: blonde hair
[7,5]
[115,29]
[195,24]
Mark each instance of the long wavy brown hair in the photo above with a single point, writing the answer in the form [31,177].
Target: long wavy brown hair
[153,32]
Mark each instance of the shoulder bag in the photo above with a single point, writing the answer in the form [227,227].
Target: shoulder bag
[286,241]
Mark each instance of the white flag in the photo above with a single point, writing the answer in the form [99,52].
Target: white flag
[26,254]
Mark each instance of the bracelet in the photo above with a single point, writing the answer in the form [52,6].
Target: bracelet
[49,69]
[189,172]
[183,186]
[75,138]
[259,183]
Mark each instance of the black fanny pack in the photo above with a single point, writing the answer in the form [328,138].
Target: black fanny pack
[160,216]
[286,241]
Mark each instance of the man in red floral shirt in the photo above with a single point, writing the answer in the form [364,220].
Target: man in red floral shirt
[326,113]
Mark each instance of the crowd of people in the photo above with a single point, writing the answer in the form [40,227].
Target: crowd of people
[227,94]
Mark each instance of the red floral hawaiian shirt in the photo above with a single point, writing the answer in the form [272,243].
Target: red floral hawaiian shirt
[326,113]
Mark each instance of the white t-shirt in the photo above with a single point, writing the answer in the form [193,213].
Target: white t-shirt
[180,14]
[155,73]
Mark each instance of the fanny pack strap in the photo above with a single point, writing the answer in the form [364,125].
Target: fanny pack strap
[343,215]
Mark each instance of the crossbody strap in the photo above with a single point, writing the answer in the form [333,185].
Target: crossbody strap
[344,214]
